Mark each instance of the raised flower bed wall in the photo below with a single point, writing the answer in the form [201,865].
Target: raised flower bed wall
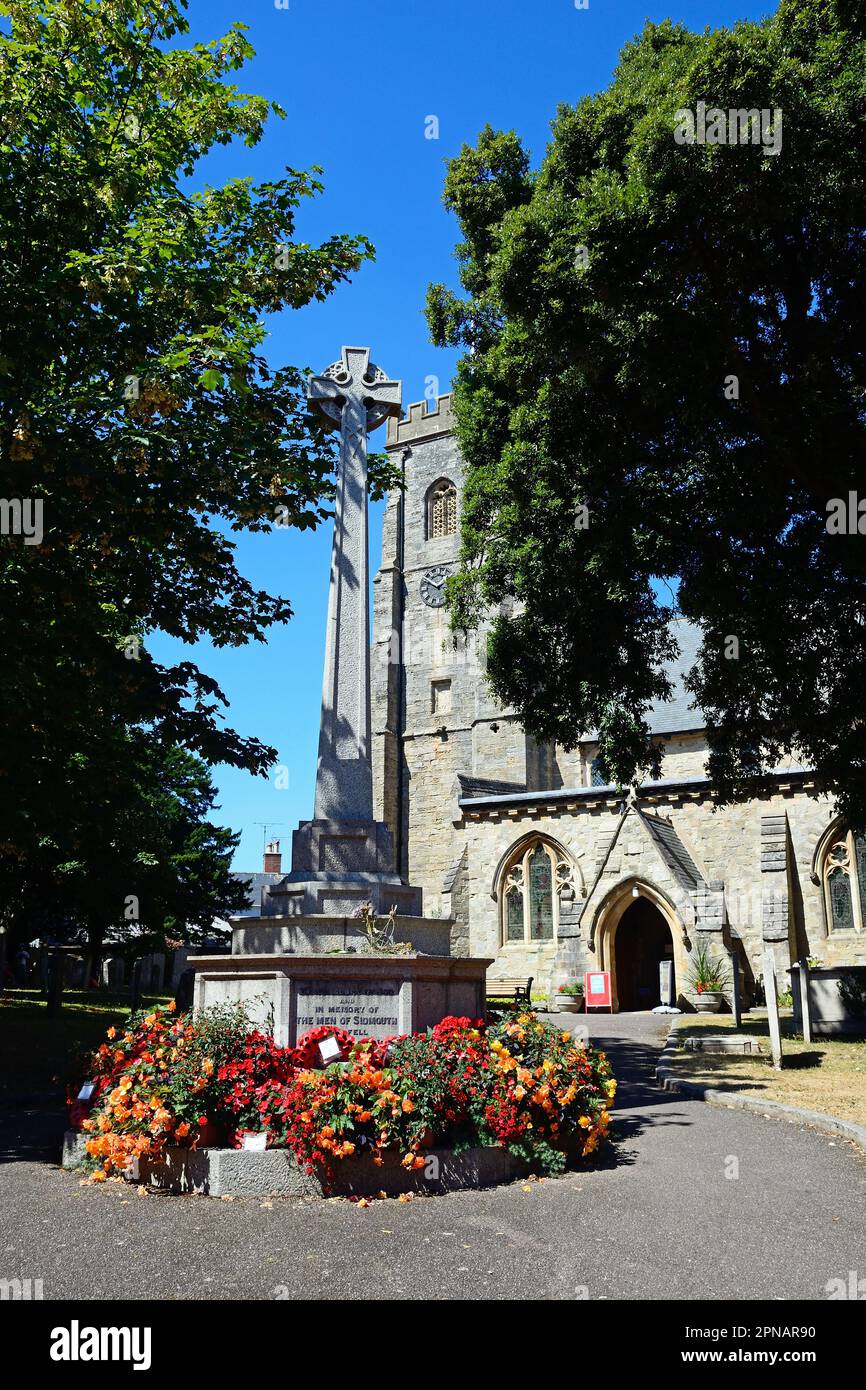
[277,1173]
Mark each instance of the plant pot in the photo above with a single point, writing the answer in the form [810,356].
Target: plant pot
[570,1003]
[709,1001]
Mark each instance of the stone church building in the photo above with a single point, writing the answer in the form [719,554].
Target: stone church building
[541,865]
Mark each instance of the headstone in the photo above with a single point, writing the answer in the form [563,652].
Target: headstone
[773,1008]
[56,971]
[805,1007]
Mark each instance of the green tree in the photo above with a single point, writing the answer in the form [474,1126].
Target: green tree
[148,867]
[136,407]
[665,377]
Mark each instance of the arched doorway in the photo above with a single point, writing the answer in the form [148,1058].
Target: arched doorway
[643,940]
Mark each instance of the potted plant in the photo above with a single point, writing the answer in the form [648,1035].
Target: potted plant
[710,979]
[569,997]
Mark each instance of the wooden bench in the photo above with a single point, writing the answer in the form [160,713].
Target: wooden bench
[510,993]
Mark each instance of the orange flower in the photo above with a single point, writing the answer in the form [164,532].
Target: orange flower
[408,1106]
[112,1033]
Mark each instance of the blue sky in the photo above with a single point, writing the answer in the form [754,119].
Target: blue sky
[358,78]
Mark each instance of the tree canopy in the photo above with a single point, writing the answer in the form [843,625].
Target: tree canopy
[139,419]
[664,377]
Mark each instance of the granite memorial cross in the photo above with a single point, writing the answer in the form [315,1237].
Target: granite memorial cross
[355,396]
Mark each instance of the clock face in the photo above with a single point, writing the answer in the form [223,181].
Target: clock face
[433,586]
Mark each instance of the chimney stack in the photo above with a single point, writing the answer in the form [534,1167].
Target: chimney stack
[273,860]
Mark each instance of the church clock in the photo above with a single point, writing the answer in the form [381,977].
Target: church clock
[433,586]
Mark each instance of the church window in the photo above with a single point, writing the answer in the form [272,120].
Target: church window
[440,697]
[844,879]
[442,510]
[529,895]
[598,774]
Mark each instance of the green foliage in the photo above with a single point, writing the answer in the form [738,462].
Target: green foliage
[137,408]
[608,296]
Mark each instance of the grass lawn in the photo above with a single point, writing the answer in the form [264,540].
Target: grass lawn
[828,1075]
[41,1053]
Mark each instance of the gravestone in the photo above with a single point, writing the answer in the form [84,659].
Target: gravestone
[805,1007]
[773,1008]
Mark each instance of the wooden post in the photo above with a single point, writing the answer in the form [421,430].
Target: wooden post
[803,973]
[772,1008]
[736,997]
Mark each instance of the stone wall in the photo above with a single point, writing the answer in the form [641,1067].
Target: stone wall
[762,903]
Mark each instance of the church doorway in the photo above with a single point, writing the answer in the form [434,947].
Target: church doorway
[642,941]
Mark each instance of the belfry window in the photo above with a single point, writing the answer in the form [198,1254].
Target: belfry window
[529,895]
[844,880]
[442,510]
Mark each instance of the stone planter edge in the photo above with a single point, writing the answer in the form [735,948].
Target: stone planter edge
[276,1172]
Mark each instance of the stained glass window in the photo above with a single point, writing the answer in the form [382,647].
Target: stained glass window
[597,774]
[514,915]
[860,861]
[540,895]
[845,882]
[841,908]
[530,893]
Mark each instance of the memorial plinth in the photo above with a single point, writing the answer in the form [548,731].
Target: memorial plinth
[370,996]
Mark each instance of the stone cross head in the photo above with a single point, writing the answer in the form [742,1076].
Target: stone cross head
[356,381]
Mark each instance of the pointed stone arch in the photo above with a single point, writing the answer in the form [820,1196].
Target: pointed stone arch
[610,912]
[519,847]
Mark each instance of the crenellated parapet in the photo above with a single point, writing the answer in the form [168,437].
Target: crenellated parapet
[421,423]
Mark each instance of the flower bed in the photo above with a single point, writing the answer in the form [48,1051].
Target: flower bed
[168,1082]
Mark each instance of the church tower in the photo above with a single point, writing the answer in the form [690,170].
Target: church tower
[434,720]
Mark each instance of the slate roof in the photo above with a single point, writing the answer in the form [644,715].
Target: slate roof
[673,852]
[679,714]
[257,883]
[486,786]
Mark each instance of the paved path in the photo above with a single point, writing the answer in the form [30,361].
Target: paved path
[658,1218]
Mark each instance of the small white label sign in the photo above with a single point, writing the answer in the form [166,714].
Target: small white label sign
[256,1142]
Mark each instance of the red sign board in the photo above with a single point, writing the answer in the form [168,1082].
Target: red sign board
[596,987]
